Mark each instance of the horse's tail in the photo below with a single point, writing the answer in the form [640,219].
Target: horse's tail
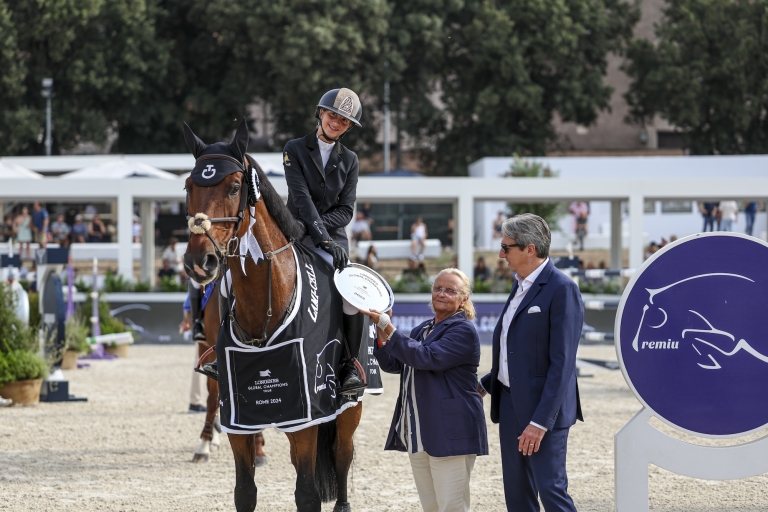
[325,463]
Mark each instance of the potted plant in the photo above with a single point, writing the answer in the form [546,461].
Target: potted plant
[75,334]
[21,369]
[115,336]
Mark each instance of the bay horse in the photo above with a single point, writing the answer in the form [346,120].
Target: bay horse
[219,214]
[209,437]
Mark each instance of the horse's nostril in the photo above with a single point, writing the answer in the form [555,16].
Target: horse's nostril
[210,262]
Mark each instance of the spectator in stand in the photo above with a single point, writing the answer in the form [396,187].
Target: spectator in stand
[360,228]
[366,209]
[60,231]
[96,230]
[23,227]
[40,221]
[652,249]
[166,271]
[172,256]
[729,214]
[580,211]
[371,260]
[418,238]
[8,231]
[136,230]
[502,271]
[750,210]
[497,225]
[79,230]
[481,273]
[449,235]
[708,213]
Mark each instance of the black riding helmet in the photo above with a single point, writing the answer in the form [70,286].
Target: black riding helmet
[343,102]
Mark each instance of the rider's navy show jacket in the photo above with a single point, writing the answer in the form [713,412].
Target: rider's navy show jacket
[439,409]
[324,198]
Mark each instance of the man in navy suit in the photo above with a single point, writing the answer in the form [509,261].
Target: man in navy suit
[534,396]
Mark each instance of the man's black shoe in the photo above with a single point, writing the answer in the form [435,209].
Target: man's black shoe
[196,408]
[210,370]
[351,378]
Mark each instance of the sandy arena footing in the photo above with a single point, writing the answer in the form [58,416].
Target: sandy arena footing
[129,448]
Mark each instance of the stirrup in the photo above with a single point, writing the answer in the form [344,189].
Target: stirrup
[210,370]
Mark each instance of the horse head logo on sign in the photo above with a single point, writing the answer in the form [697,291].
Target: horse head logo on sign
[692,334]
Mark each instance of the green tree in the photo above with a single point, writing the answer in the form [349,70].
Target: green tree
[706,74]
[510,67]
[550,212]
[102,55]
[415,51]
[301,48]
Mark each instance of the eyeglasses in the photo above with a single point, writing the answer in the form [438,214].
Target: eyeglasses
[450,292]
[505,247]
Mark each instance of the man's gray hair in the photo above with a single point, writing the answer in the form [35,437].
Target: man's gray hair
[526,229]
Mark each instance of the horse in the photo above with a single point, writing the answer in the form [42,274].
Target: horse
[218,216]
[209,437]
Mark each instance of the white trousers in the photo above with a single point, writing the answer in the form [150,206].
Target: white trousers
[442,482]
[198,392]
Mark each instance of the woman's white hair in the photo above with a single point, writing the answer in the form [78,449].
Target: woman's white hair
[465,289]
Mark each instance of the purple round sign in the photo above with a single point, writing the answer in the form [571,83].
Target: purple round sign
[692,334]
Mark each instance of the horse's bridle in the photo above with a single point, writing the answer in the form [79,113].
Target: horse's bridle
[200,224]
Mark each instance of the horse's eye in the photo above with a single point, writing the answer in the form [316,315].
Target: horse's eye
[235,189]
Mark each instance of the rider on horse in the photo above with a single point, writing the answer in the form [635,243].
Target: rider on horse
[322,189]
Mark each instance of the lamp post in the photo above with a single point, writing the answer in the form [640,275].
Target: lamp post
[47,93]
[386,119]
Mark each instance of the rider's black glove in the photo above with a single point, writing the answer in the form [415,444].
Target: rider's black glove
[337,252]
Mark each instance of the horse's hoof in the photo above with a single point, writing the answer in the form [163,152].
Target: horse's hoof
[259,461]
[342,506]
[200,457]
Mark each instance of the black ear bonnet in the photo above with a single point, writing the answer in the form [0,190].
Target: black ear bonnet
[215,162]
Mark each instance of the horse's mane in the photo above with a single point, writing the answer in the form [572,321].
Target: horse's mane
[274,203]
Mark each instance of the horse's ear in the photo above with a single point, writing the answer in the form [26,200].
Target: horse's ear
[239,144]
[195,145]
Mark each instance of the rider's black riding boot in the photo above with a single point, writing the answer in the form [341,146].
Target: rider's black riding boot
[210,370]
[351,373]
[195,298]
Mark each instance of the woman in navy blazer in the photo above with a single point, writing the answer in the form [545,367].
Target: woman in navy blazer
[438,419]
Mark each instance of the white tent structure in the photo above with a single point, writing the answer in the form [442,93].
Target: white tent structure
[9,170]
[118,170]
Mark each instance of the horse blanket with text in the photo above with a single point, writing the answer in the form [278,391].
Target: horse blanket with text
[291,382]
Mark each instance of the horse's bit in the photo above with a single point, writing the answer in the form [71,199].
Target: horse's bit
[201,224]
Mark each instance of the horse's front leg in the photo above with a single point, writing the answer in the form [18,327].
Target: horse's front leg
[303,455]
[343,448]
[243,448]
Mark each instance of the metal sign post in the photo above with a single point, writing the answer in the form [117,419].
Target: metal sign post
[690,341]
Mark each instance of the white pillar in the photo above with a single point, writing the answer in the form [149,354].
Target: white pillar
[147,242]
[125,235]
[636,212]
[464,226]
[616,248]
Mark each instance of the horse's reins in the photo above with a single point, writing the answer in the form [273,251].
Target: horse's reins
[201,224]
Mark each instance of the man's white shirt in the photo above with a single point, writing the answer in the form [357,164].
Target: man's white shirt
[522,289]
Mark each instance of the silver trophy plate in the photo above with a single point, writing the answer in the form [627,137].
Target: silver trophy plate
[364,288]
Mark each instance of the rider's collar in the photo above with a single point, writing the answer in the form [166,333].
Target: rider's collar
[209,170]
